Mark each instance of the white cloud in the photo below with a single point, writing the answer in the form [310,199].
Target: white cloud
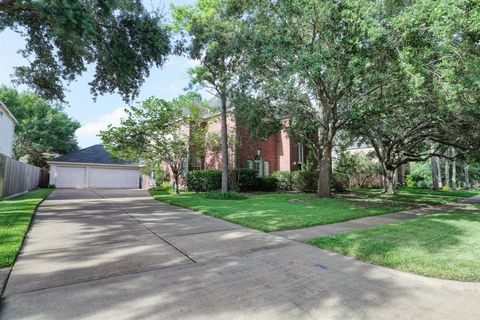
[87,133]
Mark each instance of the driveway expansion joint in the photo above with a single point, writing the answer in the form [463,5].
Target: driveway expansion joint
[115,205]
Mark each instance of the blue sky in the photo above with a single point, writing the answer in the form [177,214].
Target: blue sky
[166,83]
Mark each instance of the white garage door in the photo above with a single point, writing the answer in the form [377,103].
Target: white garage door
[70,177]
[113,178]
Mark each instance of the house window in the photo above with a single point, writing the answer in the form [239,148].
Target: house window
[301,154]
[259,167]
[196,164]
[262,167]
[266,168]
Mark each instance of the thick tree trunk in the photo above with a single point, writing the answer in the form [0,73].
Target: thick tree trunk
[388,181]
[447,173]
[224,139]
[467,175]
[436,175]
[324,187]
[454,174]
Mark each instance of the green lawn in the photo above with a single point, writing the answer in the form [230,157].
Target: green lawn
[15,216]
[280,211]
[420,196]
[445,245]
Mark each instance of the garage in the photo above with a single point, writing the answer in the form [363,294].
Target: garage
[93,167]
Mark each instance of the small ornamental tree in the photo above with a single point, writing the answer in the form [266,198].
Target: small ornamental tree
[159,132]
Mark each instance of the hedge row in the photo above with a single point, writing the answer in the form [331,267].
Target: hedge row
[208,180]
[247,180]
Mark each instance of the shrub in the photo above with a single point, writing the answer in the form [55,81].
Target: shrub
[161,176]
[284,180]
[305,181]
[356,171]
[268,183]
[204,180]
[247,179]
[207,180]
[165,186]
[340,181]
[414,180]
[230,195]
[420,175]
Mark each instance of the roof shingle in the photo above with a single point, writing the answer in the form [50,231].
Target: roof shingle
[93,154]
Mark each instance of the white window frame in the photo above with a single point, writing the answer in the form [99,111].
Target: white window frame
[300,154]
[266,168]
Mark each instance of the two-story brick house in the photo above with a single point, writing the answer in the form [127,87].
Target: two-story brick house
[278,152]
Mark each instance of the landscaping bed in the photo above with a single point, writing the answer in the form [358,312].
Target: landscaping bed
[444,245]
[15,217]
[282,211]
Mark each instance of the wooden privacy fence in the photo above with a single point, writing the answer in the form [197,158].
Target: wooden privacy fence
[17,177]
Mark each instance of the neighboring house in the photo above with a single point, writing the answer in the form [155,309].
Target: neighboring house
[93,167]
[7,130]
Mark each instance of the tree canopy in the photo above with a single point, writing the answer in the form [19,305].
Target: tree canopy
[313,61]
[121,38]
[42,127]
[160,132]
[396,70]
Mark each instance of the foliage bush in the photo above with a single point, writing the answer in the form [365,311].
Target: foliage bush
[164,186]
[268,183]
[247,179]
[420,175]
[356,171]
[305,181]
[161,176]
[230,195]
[340,181]
[284,180]
[416,181]
[204,180]
[207,180]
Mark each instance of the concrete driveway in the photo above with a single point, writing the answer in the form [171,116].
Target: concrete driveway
[119,254]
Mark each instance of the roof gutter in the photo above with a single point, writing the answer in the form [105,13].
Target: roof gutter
[71,163]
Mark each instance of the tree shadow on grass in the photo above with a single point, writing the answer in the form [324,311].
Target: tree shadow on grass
[440,245]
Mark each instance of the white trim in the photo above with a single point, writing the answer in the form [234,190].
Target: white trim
[300,154]
[92,164]
[8,112]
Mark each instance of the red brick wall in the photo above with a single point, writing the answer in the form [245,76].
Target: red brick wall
[213,153]
[278,150]
[248,149]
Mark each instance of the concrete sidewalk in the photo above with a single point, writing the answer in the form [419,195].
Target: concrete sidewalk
[119,254]
[305,234]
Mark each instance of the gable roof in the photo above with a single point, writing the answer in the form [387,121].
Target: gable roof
[93,154]
[10,114]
